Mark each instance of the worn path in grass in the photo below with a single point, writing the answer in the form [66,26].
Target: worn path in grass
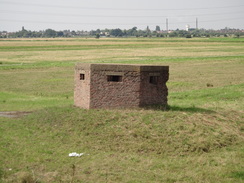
[13,114]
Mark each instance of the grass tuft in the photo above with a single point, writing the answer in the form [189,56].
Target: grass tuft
[238,175]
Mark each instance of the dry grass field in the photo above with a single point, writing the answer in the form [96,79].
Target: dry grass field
[198,139]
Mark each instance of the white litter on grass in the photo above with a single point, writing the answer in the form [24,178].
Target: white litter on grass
[74,154]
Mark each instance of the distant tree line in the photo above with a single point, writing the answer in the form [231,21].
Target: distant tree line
[133,32]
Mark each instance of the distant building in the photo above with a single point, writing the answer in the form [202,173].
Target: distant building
[120,86]
[187,27]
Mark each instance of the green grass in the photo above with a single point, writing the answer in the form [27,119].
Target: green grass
[17,102]
[124,60]
[120,145]
[199,138]
[35,65]
[212,98]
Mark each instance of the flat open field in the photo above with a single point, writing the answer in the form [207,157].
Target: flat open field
[199,139]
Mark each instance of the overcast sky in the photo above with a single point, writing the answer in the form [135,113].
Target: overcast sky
[123,14]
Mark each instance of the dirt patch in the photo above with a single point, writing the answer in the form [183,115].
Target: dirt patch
[14,114]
